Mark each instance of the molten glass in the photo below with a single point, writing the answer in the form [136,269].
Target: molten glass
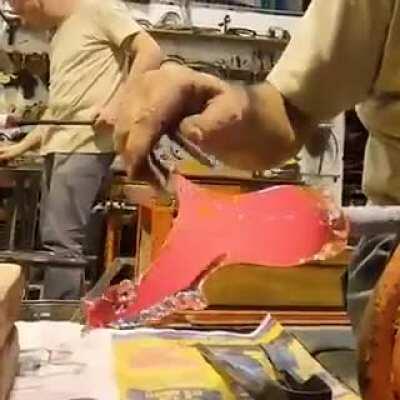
[282,226]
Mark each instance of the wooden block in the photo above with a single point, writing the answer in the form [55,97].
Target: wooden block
[311,285]
[11,293]
[8,364]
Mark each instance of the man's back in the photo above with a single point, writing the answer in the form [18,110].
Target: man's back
[346,52]
[86,69]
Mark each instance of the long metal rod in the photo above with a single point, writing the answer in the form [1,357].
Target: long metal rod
[53,122]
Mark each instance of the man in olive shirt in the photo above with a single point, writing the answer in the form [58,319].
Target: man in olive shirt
[344,54]
[93,44]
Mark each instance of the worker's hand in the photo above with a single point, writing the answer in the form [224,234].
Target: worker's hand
[105,118]
[207,111]
[12,121]
[8,120]
[12,151]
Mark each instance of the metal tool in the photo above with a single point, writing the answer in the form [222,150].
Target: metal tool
[145,23]
[241,32]
[105,280]
[162,172]
[44,258]
[277,32]
[54,122]
[217,69]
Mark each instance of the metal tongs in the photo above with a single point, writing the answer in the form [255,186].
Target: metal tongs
[163,172]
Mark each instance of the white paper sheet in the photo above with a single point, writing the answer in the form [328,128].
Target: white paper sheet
[82,366]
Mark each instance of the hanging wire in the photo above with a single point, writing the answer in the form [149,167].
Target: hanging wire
[336,150]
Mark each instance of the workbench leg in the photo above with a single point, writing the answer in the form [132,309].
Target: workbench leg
[16,211]
[153,226]
[31,214]
[113,239]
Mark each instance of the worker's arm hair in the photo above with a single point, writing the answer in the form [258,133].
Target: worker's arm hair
[284,128]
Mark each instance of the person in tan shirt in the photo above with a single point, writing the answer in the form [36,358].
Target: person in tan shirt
[96,49]
[344,54]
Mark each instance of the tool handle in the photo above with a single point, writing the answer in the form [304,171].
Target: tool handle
[54,122]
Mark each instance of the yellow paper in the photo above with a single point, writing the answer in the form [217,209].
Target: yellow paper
[165,365]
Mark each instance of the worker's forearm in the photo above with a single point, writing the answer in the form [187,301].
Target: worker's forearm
[147,57]
[262,133]
[142,63]
[31,141]
[281,130]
